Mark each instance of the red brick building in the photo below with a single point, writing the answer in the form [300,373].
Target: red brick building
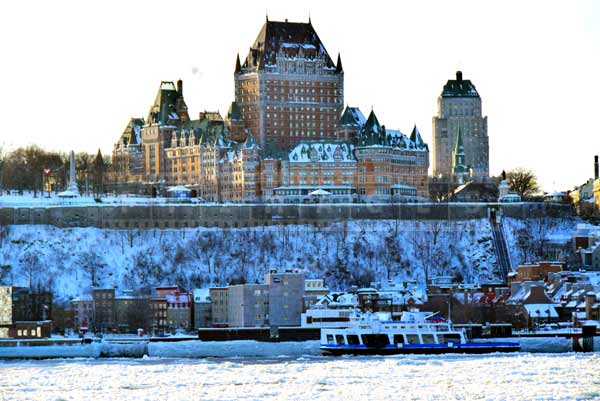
[289,89]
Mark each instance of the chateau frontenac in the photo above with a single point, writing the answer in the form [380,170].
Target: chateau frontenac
[286,137]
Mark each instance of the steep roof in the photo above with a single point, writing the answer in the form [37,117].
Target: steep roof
[459,155]
[459,87]
[372,125]
[338,65]
[250,142]
[208,130]
[322,151]
[352,116]
[132,133]
[372,133]
[169,107]
[292,39]
[234,114]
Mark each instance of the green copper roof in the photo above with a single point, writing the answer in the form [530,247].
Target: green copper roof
[352,116]
[234,113]
[168,107]
[131,133]
[459,154]
[459,87]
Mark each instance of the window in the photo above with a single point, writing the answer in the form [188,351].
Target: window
[330,339]
[428,339]
[398,339]
[375,340]
[339,338]
[412,339]
[353,339]
[449,338]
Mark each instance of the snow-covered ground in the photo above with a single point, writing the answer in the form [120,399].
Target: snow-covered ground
[491,377]
[359,252]
[525,237]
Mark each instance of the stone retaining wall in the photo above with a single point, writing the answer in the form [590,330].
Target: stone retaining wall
[178,216]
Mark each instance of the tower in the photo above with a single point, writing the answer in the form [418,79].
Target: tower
[459,105]
[288,89]
[460,171]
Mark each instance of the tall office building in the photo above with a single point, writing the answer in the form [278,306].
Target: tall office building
[459,108]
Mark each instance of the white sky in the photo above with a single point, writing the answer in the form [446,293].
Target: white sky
[74,72]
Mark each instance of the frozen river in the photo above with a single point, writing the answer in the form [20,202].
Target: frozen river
[521,376]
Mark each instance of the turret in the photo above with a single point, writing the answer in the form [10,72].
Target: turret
[338,67]
[238,65]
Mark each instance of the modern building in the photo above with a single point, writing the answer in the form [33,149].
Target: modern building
[248,305]
[459,108]
[276,303]
[286,293]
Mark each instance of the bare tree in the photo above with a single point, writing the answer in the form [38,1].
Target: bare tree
[522,181]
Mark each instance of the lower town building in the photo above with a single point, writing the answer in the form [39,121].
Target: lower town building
[218,306]
[24,313]
[104,309]
[179,311]
[286,293]
[202,308]
[276,303]
[83,312]
[248,305]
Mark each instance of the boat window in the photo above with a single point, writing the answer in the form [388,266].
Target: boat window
[428,339]
[398,339]
[329,338]
[339,339]
[375,340]
[353,339]
[449,338]
[413,339]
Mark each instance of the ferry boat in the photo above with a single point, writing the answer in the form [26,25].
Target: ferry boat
[415,333]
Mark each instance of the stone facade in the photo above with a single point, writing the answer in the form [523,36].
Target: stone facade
[459,106]
[218,312]
[226,216]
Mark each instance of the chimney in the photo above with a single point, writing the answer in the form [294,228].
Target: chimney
[590,300]
[596,167]
[459,75]
[180,86]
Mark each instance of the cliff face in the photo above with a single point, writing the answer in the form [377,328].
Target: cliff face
[70,260]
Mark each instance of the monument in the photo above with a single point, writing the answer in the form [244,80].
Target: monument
[72,190]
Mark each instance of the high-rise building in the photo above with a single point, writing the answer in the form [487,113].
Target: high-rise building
[288,88]
[459,107]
